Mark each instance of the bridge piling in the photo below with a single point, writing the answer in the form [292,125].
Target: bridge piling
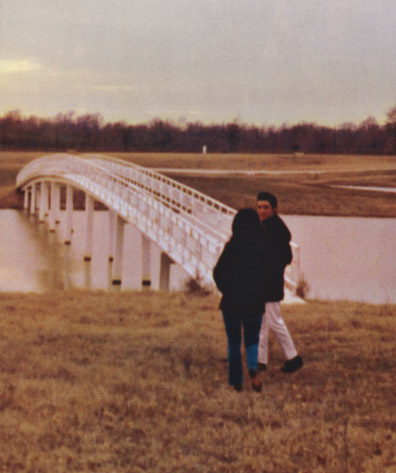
[112,221]
[165,265]
[89,210]
[57,207]
[146,261]
[69,214]
[43,209]
[118,253]
[33,199]
[53,205]
[26,199]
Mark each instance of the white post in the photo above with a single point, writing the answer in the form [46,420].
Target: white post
[26,199]
[38,197]
[119,246]
[112,221]
[52,212]
[146,261]
[43,211]
[165,265]
[33,199]
[89,208]
[57,202]
[69,214]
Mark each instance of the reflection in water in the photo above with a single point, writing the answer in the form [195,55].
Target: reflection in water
[30,257]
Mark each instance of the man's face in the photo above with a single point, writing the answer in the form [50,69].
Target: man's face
[264,209]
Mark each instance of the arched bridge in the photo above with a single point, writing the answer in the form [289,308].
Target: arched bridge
[191,228]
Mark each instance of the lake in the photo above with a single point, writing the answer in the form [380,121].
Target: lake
[346,257]
[341,258]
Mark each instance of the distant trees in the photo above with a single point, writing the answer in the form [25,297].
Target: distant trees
[391,126]
[89,132]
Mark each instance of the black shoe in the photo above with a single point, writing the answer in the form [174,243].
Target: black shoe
[256,381]
[261,367]
[238,387]
[292,365]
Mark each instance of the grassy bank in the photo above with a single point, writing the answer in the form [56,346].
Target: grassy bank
[305,193]
[136,382]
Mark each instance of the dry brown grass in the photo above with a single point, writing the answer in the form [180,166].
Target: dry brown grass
[136,382]
[251,162]
[300,194]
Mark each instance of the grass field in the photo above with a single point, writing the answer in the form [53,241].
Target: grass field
[305,193]
[136,382]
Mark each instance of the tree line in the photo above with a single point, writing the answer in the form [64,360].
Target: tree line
[90,133]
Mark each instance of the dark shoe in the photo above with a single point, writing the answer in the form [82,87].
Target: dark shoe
[238,387]
[256,381]
[261,367]
[292,365]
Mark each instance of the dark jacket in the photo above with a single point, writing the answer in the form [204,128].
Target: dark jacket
[241,272]
[279,237]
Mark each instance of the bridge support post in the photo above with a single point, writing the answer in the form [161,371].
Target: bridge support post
[146,261]
[57,203]
[43,211]
[89,209]
[33,199]
[38,197]
[26,199]
[112,222]
[69,214]
[54,199]
[165,265]
[119,247]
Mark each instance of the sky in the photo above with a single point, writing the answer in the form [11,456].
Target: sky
[262,62]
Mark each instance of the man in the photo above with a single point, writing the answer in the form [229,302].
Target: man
[276,231]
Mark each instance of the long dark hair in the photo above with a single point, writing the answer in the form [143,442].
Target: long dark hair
[246,224]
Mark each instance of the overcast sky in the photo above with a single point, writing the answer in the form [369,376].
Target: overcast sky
[258,61]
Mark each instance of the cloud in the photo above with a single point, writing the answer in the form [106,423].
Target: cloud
[9,66]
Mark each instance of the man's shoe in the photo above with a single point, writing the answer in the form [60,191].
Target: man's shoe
[292,365]
[256,381]
[261,367]
[238,387]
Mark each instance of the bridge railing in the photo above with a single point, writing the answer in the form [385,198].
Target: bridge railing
[213,216]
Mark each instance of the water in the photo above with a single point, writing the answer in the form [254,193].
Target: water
[341,258]
[347,258]
[33,259]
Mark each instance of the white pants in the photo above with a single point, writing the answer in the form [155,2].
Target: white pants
[273,320]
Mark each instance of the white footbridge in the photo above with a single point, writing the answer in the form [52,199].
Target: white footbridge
[188,226]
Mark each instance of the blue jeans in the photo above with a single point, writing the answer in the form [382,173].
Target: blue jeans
[251,324]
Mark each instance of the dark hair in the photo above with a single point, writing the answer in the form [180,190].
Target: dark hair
[270,197]
[246,222]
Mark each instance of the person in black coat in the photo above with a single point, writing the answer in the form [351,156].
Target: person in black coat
[241,275]
[279,236]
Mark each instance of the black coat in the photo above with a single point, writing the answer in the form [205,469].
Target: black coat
[279,237]
[241,274]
